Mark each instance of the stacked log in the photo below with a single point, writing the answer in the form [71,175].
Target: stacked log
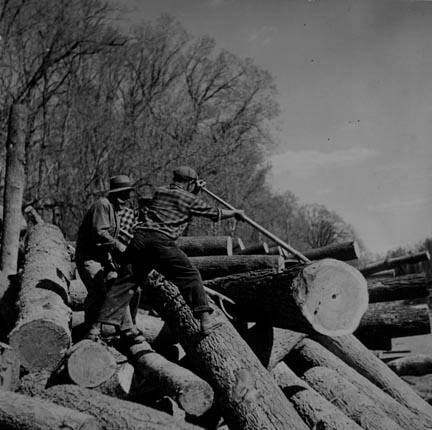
[198,246]
[41,335]
[412,365]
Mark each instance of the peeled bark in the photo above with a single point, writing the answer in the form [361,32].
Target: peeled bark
[316,411]
[14,188]
[112,413]
[257,249]
[415,365]
[42,336]
[219,265]
[327,296]
[9,368]
[349,399]
[352,352]
[394,319]
[190,392]
[307,354]
[248,396]
[399,288]
[195,246]
[18,412]
[393,263]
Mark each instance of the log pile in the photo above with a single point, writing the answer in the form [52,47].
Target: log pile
[286,355]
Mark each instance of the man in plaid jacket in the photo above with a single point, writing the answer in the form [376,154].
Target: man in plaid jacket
[153,246]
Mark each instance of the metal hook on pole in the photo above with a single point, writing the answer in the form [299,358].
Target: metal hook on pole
[260,228]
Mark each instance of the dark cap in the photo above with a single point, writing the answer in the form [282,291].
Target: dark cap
[185,173]
[120,183]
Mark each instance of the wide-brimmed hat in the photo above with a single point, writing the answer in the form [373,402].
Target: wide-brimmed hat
[185,172]
[120,183]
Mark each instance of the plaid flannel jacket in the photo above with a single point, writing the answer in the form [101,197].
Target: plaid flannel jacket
[127,219]
[171,209]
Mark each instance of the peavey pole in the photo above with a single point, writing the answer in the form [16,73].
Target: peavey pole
[260,228]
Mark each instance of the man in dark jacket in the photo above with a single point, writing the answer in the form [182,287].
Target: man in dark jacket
[153,246]
[98,252]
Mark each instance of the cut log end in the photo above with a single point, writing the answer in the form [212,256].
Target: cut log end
[40,344]
[196,398]
[90,364]
[333,297]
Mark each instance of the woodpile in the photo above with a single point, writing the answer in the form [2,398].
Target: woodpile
[286,356]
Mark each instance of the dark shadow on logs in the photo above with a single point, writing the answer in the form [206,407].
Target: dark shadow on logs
[48,284]
[293,390]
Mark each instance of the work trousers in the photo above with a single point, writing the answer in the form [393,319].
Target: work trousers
[150,250]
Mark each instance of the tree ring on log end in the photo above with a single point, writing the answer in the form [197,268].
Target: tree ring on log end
[40,344]
[90,364]
[333,296]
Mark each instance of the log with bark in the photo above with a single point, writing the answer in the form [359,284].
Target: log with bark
[9,368]
[195,246]
[13,188]
[41,335]
[248,395]
[399,288]
[414,365]
[308,353]
[384,274]
[353,352]
[344,251]
[257,249]
[217,266]
[394,319]
[349,399]
[19,412]
[393,263]
[327,296]
[112,413]
[156,373]
[316,411]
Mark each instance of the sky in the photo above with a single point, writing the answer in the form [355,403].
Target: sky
[354,81]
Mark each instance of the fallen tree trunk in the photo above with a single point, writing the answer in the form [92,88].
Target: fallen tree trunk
[190,392]
[41,336]
[352,352]
[399,288]
[219,265]
[18,412]
[257,249]
[248,396]
[339,251]
[349,399]
[414,365]
[393,263]
[9,368]
[316,411]
[13,188]
[394,319]
[112,413]
[307,354]
[327,296]
[195,246]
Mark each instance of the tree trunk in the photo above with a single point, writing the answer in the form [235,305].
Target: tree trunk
[352,352]
[18,412]
[217,266]
[393,263]
[415,365]
[197,246]
[190,392]
[257,249]
[339,251]
[112,413]
[307,354]
[9,368]
[327,296]
[272,344]
[316,411]
[399,288]
[248,396]
[14,188]
[349,399]
[41,336]
[394,319]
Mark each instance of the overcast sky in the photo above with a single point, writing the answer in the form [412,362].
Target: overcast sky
[355,89]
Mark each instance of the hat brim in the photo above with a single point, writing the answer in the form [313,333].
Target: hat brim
[117,190]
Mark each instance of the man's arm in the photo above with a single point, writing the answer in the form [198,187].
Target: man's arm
[202,209]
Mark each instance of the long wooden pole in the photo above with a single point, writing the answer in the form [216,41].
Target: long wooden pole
[260,228]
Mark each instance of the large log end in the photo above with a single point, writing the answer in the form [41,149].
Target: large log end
[333,296]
